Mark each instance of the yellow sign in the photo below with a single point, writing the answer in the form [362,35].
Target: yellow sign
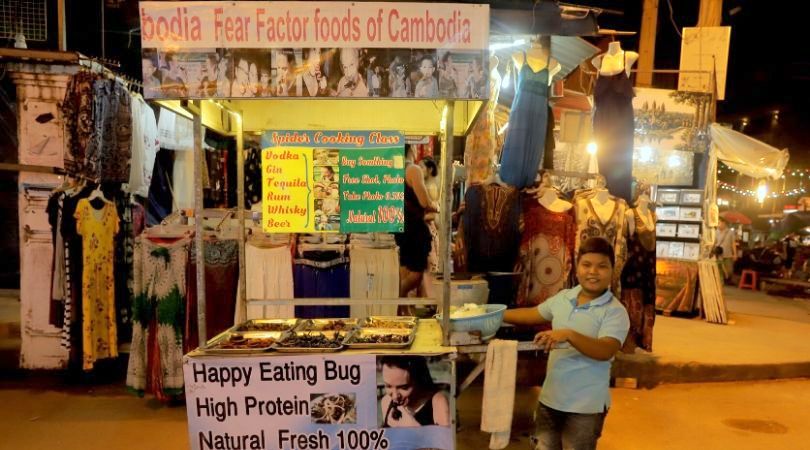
[287,187]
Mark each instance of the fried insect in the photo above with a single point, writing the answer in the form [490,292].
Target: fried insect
[264,326]
[397,324]
[335,325]
[381,339]
[237,341]
[334,409]
[312,340]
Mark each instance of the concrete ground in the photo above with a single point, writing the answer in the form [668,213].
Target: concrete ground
[766,336]
[740,416]
[764,339]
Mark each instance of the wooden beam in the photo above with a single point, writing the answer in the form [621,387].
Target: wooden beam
[646,49]
[711,13]
[60,25]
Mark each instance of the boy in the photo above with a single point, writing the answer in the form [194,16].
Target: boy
[427,87]
[589,325]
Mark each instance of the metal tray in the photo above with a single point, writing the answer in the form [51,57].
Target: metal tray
[285,324]
[408,322]
[358,332]
[328,334]
[319,325]
[211,345]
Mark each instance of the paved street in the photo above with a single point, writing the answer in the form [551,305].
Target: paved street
[736,416]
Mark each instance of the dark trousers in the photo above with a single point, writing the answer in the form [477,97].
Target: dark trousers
[555,430]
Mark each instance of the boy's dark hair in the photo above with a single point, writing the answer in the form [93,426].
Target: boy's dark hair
[597,245]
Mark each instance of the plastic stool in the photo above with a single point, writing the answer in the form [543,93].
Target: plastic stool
[749,280]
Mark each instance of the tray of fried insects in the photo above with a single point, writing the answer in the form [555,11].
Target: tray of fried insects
[342,325]
[266,325]
[229,342]
[311,342]
[363,337]
[393,322]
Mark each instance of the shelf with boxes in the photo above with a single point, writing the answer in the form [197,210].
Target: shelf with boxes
[680,217]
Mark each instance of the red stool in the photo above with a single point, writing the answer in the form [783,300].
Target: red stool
[749,280]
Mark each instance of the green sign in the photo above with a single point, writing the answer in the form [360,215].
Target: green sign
[372,194]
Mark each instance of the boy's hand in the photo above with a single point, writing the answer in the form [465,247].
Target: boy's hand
[549,339]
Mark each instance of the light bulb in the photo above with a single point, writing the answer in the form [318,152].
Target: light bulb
[591,148]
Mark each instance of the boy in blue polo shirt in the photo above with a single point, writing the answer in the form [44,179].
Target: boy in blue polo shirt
[589,325]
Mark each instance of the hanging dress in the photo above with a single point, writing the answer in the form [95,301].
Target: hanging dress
[613,128]
[97,227]
[526,139]
[546,252]
[158,310]
[491,227]
[482,141]
[613,230]
[638,285]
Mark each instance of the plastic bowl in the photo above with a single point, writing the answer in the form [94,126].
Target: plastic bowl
[487,323]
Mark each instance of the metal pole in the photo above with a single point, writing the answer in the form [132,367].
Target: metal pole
[447,221]
[198,222]
[240,208]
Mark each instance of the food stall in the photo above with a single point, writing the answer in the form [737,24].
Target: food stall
[320,383]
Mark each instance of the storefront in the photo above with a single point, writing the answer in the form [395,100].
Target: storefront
[328,168]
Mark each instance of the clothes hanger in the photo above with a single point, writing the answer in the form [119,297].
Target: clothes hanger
[97,193]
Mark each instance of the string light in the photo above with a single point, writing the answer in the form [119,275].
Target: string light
[762,191]
[751,193]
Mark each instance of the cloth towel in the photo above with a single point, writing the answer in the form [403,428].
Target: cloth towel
[500,371]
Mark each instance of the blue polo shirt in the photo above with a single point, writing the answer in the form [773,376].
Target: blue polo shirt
[574,382]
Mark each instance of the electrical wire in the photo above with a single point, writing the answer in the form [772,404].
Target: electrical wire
[672,19]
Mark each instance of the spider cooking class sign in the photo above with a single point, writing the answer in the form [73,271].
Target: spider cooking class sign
[341,401]
[333,181]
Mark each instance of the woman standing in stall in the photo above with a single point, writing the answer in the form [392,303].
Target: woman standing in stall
[414,241]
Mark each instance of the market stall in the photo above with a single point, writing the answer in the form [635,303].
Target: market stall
[315,153]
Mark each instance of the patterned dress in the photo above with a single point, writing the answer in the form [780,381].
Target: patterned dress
[98,228]
[110,147]
[614,231]
[491,224]
[77,110]
[158,310]
[638,285]
[546,252]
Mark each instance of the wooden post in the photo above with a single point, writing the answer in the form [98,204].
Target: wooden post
[60,25]
[711,13]
[646,48]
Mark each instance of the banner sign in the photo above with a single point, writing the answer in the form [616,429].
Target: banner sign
[314,49]
[333,181]
[319,402]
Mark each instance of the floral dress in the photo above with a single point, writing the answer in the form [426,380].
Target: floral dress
[638,285]
[98,228]
[158,310]
[613,230]
[546,252]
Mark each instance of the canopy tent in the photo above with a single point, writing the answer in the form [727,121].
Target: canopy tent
[747,155]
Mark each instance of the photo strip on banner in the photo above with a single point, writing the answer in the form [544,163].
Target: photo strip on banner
[227,50]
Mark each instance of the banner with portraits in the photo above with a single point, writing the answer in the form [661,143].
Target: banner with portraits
[262,49]
[327,401]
